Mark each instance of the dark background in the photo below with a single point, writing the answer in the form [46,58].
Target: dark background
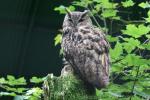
[27,31]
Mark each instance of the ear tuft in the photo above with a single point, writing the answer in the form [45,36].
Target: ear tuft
[85,13]
[68,12]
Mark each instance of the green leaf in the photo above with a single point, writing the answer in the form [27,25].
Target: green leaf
[130,44]
[21,80]
[10,77]
[61,52]
[117,51]
[7,94]
[144,5]
[147,90]
[20,90]
[116,88]
[36,80]
[19,97]
[135,31]
[134,60]
[111,39]
[13,81]
[142,94]
[128,3]
[109,13]
[58,39]
[148,18]
[34,93]
[115,94]
[135,98]
[146,46]
[106,4]
[144,82]
[62,10]
[148,36]
[143,68]
[3,81]
[117,67]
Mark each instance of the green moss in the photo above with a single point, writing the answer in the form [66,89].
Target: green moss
[66,87]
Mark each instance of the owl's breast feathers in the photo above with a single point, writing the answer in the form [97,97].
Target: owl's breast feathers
[88,53]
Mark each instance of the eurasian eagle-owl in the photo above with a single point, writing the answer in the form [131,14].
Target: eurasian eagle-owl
[86,49]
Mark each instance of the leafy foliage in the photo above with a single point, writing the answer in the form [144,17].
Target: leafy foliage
[36,80]
[134,31]
[117,51]
[148,18]
[144,5]
[58,39]
[17,87]
[128,3]
[61,9]
[130,42]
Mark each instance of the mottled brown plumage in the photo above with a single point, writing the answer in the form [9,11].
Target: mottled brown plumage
[86,49]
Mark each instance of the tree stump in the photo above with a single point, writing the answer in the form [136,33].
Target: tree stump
[66,87]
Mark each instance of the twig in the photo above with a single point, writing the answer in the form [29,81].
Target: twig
[111,26]
[134,21]
[105,23]
[93,16]
[134,83]
[138,69]
[142,43]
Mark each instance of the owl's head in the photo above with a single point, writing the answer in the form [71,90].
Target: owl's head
[77,19]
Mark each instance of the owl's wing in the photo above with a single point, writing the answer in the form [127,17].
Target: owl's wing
[104,48]
[103,51]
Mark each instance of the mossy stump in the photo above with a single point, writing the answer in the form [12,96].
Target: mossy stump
[66,87]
